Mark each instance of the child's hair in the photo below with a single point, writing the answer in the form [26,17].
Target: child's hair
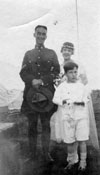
[70,66]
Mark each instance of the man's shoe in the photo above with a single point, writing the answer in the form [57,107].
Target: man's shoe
[50,157]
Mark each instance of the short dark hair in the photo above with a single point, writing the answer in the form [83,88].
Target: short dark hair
[39,26]
[70,66]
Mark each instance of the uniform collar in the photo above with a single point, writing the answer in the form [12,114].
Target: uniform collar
[39,46]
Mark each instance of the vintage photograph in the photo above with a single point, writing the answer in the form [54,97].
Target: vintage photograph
[49,87]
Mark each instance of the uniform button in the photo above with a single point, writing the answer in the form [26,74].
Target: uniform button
[52,68]
[38,73]
[38,65]
[38,57]
[39,50]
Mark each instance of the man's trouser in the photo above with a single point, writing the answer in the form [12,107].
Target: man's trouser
[32,132]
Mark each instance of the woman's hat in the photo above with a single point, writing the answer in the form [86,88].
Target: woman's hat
[40,100]
[68,45]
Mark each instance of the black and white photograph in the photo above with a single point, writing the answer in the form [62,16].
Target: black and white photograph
[49,87]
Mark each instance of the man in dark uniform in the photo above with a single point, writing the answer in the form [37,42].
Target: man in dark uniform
[39,68]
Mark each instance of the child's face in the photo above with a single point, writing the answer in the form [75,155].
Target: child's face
[66,53]
[72,75]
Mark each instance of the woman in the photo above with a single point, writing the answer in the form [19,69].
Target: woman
[67,51]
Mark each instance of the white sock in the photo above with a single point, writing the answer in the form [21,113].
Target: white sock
[83,157]
[72,158]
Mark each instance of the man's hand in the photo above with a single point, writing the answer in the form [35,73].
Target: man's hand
[37,82]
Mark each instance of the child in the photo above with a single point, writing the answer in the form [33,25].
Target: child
[72,117]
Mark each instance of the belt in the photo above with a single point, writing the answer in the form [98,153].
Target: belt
[79,103]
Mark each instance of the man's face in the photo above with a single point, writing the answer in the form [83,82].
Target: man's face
[40,35]
[72,75]
[66,52]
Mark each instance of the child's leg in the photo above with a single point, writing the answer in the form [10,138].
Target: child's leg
[82,135]
[83,154]
[72,153]
[76,152]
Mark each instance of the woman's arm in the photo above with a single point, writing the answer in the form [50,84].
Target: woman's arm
[82,74]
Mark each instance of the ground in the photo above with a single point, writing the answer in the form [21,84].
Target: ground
[14,151]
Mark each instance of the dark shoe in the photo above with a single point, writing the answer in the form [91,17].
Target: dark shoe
[82,169]
[82,172]
[50,157]
[70,166]
[71,169]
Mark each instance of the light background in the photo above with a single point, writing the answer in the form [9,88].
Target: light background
[65,21]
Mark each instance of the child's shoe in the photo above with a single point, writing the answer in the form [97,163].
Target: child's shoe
[71,168]
[82,165]
[82,168]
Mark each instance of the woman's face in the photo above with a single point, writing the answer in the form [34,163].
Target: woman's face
[66,53]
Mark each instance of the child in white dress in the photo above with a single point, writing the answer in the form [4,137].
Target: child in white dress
[72,118]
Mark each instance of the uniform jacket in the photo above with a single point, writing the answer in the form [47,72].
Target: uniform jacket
[39,63]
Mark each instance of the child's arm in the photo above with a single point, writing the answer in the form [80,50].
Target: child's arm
[82,74]
[57,99]
[59,95]
[86,94]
